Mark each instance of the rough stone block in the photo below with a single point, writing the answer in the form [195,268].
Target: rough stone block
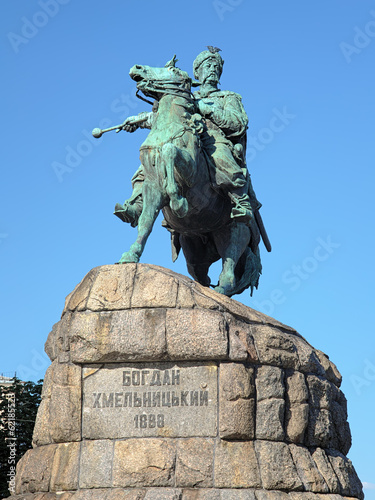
[96,464]
[296,388]
[107,494]
[65,414]
[237,350]
[154,287]
[144,462]
[185,296]
[277,468]
[296,495]
[205,298]
[308,472]
[331,371]
[350,485]
[137,335]
[270,419]
[342,428]
[275,347]
[236,465]
[28,496]
[273,495]
[241,343]
[83,335]
[77,300]
[34,470]
[201,494]
[321,430]
[36,496]
[340,398]
[64,476]
[308,358]
[163,494]
[48,381]
[321,392]
[325,468]
[269,382]
[237,495]
[66,374]
[237,419]
[236,380]
[330,496]
[41,433]
[297,418]
[57,339]
[194,462]
[61,391]
[112,288]
[196,334]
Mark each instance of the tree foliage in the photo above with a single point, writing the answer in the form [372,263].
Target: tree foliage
[19,404]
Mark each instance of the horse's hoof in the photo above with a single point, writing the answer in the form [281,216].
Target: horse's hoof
[128,257]
[225,289]
[179,206]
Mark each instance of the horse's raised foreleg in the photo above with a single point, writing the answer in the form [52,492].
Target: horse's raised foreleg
[180,162]
[231,242]
[152,204]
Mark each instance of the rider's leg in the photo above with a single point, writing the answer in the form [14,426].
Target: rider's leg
[229,176]
[131,210]
[152,204]
[231,242]
[241,206]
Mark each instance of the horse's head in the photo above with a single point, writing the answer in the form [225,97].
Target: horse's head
[156,82]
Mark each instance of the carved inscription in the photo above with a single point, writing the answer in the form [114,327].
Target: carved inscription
[161,399]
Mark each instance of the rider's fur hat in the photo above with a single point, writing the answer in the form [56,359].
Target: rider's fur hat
[206,54]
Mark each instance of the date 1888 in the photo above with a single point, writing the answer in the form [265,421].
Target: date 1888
[149,421]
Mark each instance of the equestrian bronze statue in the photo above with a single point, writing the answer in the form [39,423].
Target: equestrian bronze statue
[193,169]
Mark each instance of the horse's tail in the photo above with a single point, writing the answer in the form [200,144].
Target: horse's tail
[248,271]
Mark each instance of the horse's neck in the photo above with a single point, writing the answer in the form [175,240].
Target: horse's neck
[174,107]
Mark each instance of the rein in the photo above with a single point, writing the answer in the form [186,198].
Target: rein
[172,89]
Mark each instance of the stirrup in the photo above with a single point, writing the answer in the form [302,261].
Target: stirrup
[241,210]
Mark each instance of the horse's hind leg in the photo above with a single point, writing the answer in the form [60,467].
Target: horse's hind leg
[231,242]
[199,254]
[152,204]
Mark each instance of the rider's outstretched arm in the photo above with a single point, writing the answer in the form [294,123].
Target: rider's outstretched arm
[130,126]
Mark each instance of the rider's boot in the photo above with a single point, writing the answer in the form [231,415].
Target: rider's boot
[127,213]
[241,206]
[132,208]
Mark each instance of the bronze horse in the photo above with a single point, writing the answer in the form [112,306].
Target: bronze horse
[177,181]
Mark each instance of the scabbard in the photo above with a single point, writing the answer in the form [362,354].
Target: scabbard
[262,231]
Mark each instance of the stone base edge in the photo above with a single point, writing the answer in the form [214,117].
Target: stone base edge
[177,494]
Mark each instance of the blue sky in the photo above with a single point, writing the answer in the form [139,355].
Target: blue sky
[65,71]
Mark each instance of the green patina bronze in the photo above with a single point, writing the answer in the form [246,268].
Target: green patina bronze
[193,168]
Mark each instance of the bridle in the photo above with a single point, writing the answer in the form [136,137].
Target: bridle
[168,87]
